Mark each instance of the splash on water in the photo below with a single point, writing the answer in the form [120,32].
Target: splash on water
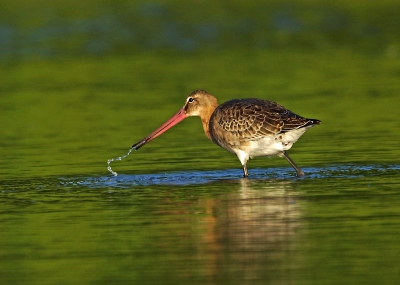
[118,158]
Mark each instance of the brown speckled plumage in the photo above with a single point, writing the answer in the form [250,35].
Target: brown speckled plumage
[252,119]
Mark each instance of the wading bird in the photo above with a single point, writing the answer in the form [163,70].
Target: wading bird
[247,127]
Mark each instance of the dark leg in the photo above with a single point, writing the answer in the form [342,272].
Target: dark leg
[299,172]
[245,173]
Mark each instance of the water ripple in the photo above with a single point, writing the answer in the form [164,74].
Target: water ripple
[202,177]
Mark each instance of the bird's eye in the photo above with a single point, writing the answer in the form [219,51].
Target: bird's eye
[190,100]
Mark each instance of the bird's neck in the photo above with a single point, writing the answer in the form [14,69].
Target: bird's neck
[206,127]
[205,120]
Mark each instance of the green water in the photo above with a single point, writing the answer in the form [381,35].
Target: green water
[179,212]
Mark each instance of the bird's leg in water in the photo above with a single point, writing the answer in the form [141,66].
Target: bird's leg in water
[245,173]
[299,172]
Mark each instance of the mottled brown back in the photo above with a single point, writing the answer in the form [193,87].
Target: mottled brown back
[252,119]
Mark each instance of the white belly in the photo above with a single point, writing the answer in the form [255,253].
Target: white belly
[272,145]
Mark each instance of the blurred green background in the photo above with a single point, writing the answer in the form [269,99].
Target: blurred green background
[80,28]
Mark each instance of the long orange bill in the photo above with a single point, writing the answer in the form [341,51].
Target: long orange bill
[163,128]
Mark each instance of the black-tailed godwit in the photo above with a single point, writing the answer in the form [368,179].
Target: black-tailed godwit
[246,127]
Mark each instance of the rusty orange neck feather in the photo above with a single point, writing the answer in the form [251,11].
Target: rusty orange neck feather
[205,118]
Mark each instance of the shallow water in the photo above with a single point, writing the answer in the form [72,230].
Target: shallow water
[339,224]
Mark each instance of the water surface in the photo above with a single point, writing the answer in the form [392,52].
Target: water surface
[340,224]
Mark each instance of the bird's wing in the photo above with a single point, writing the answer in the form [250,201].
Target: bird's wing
[252,119]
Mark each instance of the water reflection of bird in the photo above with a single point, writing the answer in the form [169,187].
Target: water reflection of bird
[246,127]
[256,222]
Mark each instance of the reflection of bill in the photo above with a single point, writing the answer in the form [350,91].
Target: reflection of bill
[254,229]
